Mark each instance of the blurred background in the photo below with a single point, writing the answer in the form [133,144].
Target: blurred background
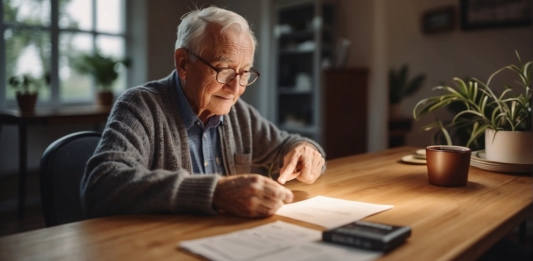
[324,64]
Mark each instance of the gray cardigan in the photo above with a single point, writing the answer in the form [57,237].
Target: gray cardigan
[142,163]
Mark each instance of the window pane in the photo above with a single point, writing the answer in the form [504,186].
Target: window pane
[109,16]
[28,53]
[35,12]
[75,14]
[114,47]
[73,85]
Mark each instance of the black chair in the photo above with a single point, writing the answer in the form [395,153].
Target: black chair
[62,167]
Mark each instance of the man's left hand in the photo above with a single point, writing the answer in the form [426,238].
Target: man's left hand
[303,163]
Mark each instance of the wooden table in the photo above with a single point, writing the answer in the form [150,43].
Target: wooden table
[447,223]
[46,116]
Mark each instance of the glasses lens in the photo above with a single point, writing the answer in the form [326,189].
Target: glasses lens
[248,78]
[225,75]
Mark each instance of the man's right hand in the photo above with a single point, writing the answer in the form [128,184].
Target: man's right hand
[250,195]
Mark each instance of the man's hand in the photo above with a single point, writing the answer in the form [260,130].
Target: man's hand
[303,163]
[250,195]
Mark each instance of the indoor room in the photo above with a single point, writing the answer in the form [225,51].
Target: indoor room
[404,110]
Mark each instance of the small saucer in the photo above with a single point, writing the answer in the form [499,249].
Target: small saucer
[418,156]
[420,152]
[411,159]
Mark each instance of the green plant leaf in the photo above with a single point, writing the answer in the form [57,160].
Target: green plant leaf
[399,85]
[102,68]
[477,130]
[477,107]
[445,132]
[414,85]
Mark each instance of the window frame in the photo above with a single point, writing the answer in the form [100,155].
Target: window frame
[54,31]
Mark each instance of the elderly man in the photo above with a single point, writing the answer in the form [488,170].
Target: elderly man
[186,144]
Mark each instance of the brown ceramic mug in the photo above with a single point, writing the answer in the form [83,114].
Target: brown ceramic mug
[448,165]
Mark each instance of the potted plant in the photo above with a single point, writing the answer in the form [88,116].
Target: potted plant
[505,119]
[26,90]
[400,87]
[104,71]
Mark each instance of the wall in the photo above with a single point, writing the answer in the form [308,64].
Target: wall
[163,18]
[387,33]
[364,24]
[356,20]
[445,55]
[379,30]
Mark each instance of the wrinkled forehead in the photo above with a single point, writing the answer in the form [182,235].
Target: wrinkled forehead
[232,41]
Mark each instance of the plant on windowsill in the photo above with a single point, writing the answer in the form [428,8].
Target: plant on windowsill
[27,90]
[104,71]
[505,118]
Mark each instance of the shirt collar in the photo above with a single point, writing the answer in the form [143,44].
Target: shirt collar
[188,115]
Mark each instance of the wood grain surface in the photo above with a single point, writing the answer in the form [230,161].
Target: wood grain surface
[447,223]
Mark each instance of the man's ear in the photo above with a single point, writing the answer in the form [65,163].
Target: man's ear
[181,60]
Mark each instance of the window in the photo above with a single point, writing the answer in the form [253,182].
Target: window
[50,36]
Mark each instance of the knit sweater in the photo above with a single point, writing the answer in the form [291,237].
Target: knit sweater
[143,165]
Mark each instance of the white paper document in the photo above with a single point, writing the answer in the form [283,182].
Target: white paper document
[274,241]
[250,244]
[314,251]
[330,212]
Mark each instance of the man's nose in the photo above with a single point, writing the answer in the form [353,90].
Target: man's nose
[234,84]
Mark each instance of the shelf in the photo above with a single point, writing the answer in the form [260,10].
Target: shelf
[295,50]
[293,91]
[298,34]
[304,37]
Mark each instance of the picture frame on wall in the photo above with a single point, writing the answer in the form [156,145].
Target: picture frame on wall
[487,14]
[438,20]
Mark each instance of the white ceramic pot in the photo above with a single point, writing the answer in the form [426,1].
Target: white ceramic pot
[509,146]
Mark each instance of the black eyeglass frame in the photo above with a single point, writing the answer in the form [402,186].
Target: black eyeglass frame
[218,70]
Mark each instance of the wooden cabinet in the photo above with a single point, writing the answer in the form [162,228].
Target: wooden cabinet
[345,111]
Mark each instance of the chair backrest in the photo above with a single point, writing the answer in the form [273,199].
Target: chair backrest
[62,167]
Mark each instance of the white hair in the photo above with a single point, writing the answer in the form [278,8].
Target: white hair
[191,30]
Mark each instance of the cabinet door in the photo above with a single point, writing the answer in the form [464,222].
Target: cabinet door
[345,111]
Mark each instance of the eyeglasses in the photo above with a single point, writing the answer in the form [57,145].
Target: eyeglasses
[226,75]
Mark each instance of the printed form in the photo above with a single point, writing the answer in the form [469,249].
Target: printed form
[273,242]
[330,212]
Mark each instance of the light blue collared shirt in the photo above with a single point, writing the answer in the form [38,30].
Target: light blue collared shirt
[204,141]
